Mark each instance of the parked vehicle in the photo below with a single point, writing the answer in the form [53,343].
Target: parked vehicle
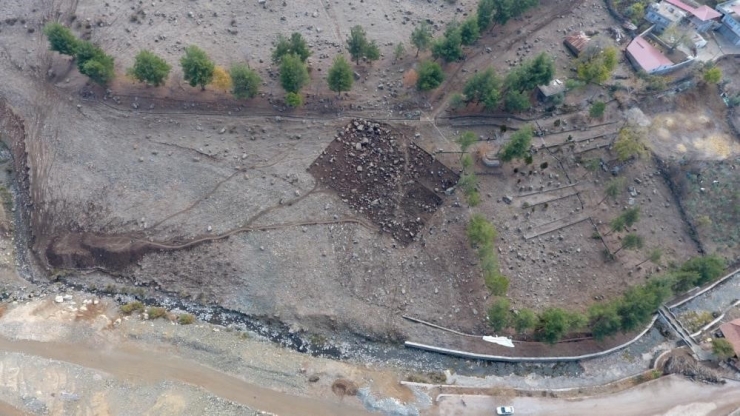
[504,410]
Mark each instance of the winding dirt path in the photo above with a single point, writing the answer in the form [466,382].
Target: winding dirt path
[133,364]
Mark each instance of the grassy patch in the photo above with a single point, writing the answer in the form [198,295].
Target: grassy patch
[156,312]
[185,319]
[132,307]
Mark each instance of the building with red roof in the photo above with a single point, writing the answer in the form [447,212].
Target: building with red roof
[646,57]
[731,331]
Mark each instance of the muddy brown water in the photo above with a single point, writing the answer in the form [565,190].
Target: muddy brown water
[133,364]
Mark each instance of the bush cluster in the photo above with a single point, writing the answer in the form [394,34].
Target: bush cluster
[632,310]
[481,234]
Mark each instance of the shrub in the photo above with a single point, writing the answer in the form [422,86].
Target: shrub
[496,282]
[712,75]
[244,81]
[722,348]
[293,100]
[132,307]
[221,79]
[457,101]
[185,319]
[555,322]
[61,39]
[604,319]
[156,312]
[149,68]
[480,231]
[597,67]
[430,76]
[630,144]
[525,320]
[516,101]
[499,316]
[597,109]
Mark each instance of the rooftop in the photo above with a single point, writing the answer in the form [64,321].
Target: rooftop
[702,12]
[681,5]
[731,331]
[730,7]
[705,13]
[669,10]
[647,55]
[556,86]
[577,42]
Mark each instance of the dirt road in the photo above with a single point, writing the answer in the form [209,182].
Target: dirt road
[667,396]
[136,365]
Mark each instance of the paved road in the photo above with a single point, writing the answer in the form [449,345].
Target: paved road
[668,396]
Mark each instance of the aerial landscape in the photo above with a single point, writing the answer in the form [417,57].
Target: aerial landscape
[402,207]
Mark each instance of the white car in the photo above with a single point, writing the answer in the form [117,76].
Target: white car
[504,410]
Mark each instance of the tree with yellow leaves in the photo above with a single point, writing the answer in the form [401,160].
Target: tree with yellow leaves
[221,79]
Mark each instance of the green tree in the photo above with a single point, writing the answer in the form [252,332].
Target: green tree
[630,143]
[293,73]
[636,12]
[359,47]
[449,46]
[466,139]
[483,87]
[486,10]
[555,322]
[296,44]
[604,319]
[631,242]
[480,231]
[430,76]
[530,74]
[709,268]
[597,66]
[197,68]
[421,37]
[518,145]
[597,109]
[149,68]
[244,81]
[525,320]
[340,76]
[398,51]
[469,32]
[293,99]
[722,348]
[61,39]
[499,316]
[93,62]
[516,101]
[684,280]
[712,75]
